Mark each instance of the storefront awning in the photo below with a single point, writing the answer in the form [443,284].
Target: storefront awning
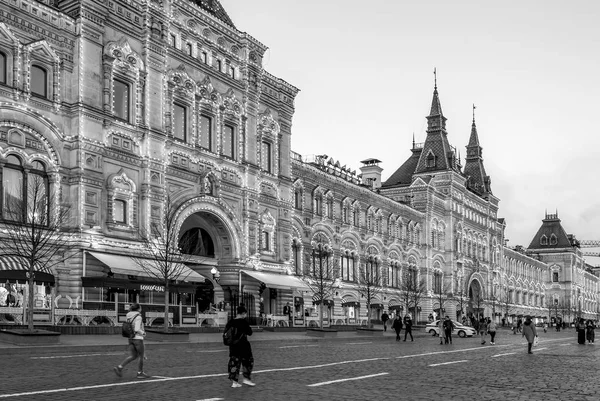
[16,268]
[132,266]
[280,281]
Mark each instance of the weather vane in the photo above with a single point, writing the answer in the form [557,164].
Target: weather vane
[434,78]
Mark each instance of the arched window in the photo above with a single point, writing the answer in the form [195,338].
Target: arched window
[121,99]
[437,282]
[19,202]
[298,199]
[38,81]
[2,68]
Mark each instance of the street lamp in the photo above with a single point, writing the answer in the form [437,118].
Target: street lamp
[215,273]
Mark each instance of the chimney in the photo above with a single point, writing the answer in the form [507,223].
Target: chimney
[371,173]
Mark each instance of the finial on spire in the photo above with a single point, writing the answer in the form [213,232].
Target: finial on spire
[413,139]
[474,107]
[434,78]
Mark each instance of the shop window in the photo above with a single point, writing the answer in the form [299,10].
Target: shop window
[228,141]
[266,157]
[3,62]
[121,98]
[179,122]
[38,81]
[120,211]
[206,132]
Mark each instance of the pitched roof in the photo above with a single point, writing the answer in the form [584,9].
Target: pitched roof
[551,235]
[477,179]
[403,175]
[215,8]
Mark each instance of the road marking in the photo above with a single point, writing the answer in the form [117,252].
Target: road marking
[298,346]
[368,342]
[448,363]
[160,377]
[212,351]
[508,353]
[538,349]
[347,379]
[448,352]
[212,399]
[564,345]
[74,356]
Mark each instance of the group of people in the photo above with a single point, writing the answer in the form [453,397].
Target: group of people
[240,351]
[487,326]
[400,323]
[586,330]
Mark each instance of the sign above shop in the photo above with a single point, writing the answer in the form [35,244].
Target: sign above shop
[152,287]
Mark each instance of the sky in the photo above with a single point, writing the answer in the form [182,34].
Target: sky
[365,74]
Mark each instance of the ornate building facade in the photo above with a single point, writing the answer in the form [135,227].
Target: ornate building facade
[127,107]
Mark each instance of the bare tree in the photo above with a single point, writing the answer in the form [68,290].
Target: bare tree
[35,231]
[461,294]
[442,292]
[369,284]
[163,245]
[322,274]
[505,300]
[413,291]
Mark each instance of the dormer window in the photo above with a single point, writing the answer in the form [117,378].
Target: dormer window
[544,240]
[431,160]
[553,240]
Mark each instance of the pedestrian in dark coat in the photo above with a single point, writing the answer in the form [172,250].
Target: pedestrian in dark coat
[384,318]
[589,331]
[448,327]
[580,327]
[240,352]
[530,333]
[408,327]
[397,326]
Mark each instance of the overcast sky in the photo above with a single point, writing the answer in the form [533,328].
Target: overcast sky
[365,71]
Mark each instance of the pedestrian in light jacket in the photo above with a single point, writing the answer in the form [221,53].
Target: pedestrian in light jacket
[530,333]
[482,329]
[441,331]
[136,344]
[492,330]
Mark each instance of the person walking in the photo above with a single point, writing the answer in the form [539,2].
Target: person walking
[448,328]
[135,344]
[545,327]
[240,351]
[530,333]
[441,331]
[589,331]
[492,330]
[580,328]
[397,326]
[408,327]
[384,318]
[482,329]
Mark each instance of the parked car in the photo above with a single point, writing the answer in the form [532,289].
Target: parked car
[459,329]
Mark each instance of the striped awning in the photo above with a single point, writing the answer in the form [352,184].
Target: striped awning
[17,268]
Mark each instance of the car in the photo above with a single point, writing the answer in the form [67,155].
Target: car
[459,329]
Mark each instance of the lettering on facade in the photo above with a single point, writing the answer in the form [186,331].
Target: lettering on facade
[152,287]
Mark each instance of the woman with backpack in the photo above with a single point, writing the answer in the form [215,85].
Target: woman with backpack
[236,335]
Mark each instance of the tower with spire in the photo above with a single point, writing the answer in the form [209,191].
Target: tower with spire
[477,179]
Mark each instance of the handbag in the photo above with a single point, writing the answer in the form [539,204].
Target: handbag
[536,341]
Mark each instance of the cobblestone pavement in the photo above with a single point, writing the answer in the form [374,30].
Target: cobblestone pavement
[343,369]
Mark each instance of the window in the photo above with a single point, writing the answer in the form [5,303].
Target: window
[318,205]
[38,81]
[120,211]
[330,208]
[265,241]
[298,199]
[430,160]
[173,40]
[437,283]
[19,202]
[228,141]
[206,132]
[356,217]
[121,99]
[219,65]
[553,239]
[544,240]
[188,47]
[555,277]
[266,157]
[297,260]
[347,262]
[179,122]
[204,57]
[232,72]
[2,68]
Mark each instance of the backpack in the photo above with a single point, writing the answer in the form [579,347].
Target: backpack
[127,329]
[230,336]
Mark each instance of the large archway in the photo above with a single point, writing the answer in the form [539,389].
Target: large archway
[475,306]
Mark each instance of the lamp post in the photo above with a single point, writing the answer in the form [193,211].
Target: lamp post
[215,274]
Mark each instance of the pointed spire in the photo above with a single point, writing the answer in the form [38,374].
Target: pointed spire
[474,107]
[436,119]
[474,138]
[413,139]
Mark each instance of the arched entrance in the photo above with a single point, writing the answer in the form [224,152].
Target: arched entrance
[475,306]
